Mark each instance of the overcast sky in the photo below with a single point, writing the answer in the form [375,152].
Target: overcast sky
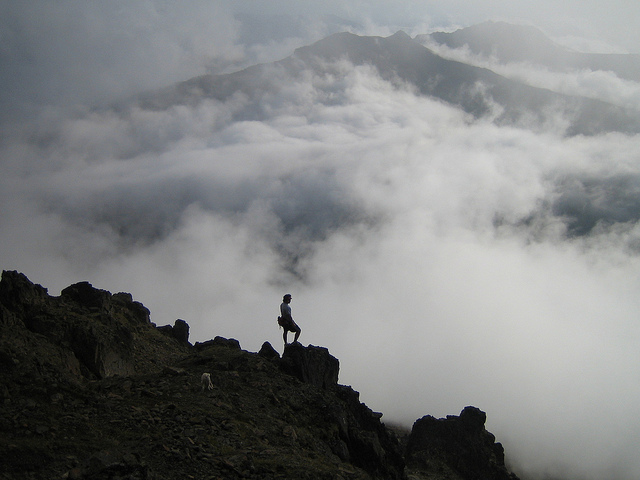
[423,249]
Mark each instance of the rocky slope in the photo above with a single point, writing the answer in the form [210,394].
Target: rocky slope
[91,389]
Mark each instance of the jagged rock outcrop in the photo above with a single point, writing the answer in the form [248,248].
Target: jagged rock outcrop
[96,300]
[84,333]
[179,331]
[457,447]
[347,428]
[218,341]
[267,351]
[367,440]
[19,298]
[91,389]
[312,364]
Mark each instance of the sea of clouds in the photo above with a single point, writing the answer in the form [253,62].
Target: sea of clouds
[445,261]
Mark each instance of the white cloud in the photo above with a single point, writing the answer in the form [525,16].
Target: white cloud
[420,248]
[600,85]
[78,52]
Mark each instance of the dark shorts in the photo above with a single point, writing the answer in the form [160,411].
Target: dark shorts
[288,324]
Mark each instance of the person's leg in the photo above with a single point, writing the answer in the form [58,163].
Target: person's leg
[297,330]
[284,336]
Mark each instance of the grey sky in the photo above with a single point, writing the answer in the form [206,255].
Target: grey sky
[421,248]
[71,51]
[611,22]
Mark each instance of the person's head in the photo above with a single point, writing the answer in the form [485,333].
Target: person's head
[286,298]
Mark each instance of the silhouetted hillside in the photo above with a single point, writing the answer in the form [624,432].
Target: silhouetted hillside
[91,389]
[403,61]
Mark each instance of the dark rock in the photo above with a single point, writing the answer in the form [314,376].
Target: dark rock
[458,445]
[341,450]
[85,332]
[104,347]
[108,465]
[231,343]
[267,351]
[6,360]
[174,371]
[84,294]
[96,300]
[138,312]
[369,443]
[18,294]
[106,394]
[310,364]
[473,420]
[166,330]
[101,343]
[179,331]
[7,318]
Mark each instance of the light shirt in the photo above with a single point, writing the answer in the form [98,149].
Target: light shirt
[285,310]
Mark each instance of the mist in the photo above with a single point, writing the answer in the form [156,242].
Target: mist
[445,260]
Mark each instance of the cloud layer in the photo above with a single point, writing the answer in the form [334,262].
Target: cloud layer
[446,262]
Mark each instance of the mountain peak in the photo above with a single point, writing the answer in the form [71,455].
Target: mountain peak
[400,35]
[510,43]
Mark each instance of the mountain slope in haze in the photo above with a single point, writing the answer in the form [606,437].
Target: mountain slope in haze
[403,61]
[518,43]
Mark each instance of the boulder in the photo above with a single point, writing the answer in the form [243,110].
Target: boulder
[267,351]
[365,439]
[310,364]
[458,446]
[18,294]
[179,331]
[85,295]
[218,341]
[136,311]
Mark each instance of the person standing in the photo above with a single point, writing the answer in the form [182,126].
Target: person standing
[285,320]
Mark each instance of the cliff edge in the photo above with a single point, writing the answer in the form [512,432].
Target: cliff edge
[92,389]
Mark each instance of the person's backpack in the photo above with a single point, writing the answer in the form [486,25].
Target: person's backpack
[281,321]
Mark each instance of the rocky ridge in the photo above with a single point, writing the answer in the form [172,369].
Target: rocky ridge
[92,389]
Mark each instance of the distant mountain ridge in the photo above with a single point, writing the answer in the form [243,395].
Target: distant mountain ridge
[520,43]
[398,58]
